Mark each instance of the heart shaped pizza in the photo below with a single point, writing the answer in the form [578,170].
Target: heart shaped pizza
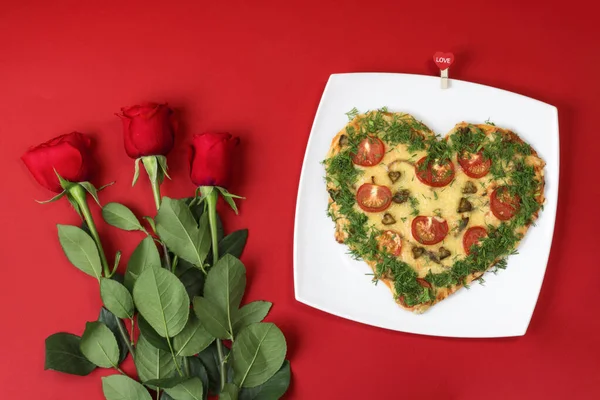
[429,214]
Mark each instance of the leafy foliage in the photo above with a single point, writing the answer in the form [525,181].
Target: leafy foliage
[176,352]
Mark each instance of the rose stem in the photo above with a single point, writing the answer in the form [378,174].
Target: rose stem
[157,201]
[79,194]
[211,201]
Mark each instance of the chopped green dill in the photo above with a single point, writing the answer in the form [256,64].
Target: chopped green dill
[352,114]
[435,195]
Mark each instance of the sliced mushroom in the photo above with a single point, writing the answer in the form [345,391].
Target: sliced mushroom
[343,140]
[401,196]
[469,188]
[464,205]
[433,257]
[462,224]
[463,130]
[417,252]
[444,253]
[394,176]
[388,219]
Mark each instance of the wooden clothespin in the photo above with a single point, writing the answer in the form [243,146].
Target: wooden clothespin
[443,61]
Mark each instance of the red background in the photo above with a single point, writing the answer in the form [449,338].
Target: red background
[258,71]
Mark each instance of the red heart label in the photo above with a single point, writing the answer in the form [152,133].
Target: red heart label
[443,60]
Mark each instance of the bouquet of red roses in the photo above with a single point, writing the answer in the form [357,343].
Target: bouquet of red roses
[183,285]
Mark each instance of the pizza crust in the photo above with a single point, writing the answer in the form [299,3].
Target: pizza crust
[441,293]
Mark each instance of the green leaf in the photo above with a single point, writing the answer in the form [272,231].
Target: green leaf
[91,189]
[99,345]
[116,298]
[63,355]
[143,257]
[258,352]
[120,216]
[272,389]
[249,314]
[210,360]
[225,285]
[162,163]
[80,249]
[220,230]
[230,392]
[214,318]
[152,363]
[136,173]
[191,277]
[198,369]
[120,387]
[188,390]
[111,320]
[57,197]
[150,334]
[196,206]
[166,382]
[192,339]
[162,300]
[178,229]
[234,243]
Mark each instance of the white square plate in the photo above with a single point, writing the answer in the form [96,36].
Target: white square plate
[325,277]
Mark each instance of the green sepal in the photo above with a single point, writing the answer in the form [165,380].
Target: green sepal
[197,199]
[136,173]
[65,184]
[228,197]
[162,163]
[91,189]
[57,197]
[204,191]
[105,186]
[74,204]
[151,165]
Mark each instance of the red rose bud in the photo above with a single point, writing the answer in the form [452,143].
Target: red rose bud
[210,158]
[68,155]
[149,129]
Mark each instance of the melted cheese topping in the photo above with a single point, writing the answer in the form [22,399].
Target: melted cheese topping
[432,201]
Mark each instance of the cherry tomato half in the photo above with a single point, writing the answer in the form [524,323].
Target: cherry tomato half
[370,152]
[473,236]
[373,198]
[434,174]
[475,165]
[429,230]
[391,242]
[504,205]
